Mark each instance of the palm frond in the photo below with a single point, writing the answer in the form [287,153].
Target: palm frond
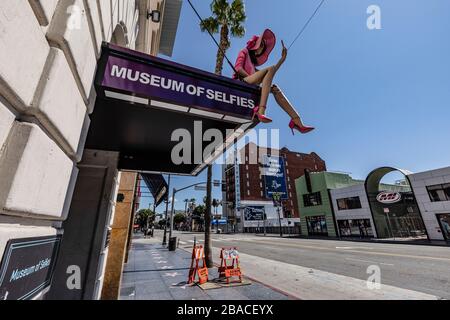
[219,9]
[210,24]
[236,18]
[238,31]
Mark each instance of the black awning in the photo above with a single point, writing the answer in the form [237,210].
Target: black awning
[157,185]
[142,100]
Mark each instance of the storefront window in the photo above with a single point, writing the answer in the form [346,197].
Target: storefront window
[355,228]
[317,225]
[447,190]
[312,199]
[440,192]
[349,203]
[444,221]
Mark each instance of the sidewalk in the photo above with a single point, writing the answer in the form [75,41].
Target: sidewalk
[154,273]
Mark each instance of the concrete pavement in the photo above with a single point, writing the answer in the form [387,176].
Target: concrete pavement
[154,273]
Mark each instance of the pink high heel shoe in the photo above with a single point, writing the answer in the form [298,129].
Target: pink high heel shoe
[303,129]
[261,117]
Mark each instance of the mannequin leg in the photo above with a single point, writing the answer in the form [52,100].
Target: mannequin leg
[284,103]
[265,78]
[257,77]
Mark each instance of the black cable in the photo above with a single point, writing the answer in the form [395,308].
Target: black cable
[214,39]
[306,24]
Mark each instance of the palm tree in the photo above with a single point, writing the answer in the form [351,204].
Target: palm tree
[226,17]
[186,201]
[192,202]
[215,204]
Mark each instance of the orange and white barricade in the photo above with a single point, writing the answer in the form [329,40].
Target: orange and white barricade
[228,271]
[198,253]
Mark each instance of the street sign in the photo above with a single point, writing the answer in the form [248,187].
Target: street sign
[200,188]
[27,267]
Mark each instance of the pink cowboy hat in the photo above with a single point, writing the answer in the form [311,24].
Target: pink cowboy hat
[269,40]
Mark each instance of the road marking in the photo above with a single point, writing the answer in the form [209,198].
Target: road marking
[172,274]
[182,242]
[352,248]
[371,262]
[357,251]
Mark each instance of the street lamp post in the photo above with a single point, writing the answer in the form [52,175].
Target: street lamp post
[165,220]
[264,222]
[277,198]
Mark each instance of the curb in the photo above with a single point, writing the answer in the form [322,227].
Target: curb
[411,243]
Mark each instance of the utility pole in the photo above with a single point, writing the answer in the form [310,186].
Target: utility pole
[167,209]
[172,212]
[279,219]
[265,218]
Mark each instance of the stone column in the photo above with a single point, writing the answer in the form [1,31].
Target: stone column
[84,243]
[119,236]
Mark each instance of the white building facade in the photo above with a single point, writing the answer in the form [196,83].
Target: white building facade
[351,209]
[432,191]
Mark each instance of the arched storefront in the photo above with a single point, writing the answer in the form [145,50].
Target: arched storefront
[394,207]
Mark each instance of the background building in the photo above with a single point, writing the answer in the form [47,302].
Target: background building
[432,191]
[414,208]
[50,184]
[352,211]
[394,208]
[248,190]
[315,203]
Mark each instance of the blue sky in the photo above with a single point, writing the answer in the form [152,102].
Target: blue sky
[376,97]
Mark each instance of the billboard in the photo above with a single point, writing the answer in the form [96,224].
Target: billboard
[254,213]
[274,176]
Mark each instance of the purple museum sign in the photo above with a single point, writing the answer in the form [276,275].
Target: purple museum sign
[168,85]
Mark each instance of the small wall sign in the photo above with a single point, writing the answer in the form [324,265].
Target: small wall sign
[27,267]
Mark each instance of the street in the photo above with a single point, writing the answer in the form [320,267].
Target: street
[407,271]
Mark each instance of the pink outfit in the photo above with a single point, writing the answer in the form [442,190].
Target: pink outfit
[244,61]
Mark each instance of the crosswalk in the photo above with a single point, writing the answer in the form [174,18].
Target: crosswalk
[221,240]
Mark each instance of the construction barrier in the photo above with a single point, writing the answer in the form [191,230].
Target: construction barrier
[232,270]
[198,253]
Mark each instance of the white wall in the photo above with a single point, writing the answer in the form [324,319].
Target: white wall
[348,192]
[428,209]
[49,50]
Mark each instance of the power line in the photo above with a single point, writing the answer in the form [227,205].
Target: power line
[306,24]
[214,39]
